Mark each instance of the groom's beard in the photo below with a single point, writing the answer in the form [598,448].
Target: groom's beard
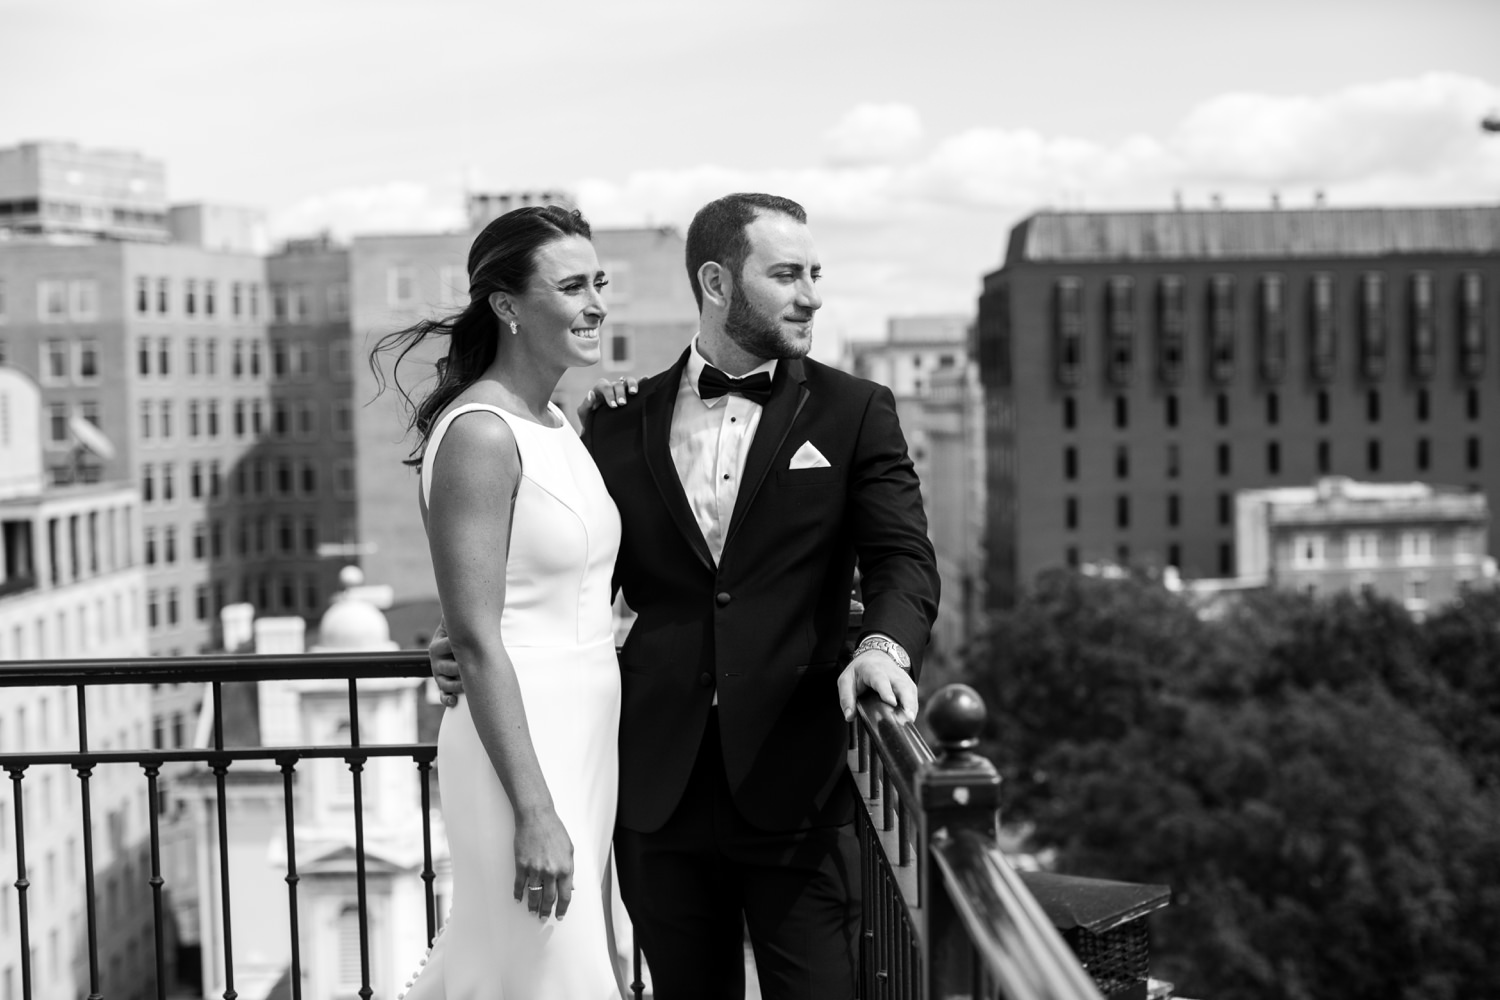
[759,334]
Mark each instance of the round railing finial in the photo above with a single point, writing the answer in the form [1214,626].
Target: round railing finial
[956,716]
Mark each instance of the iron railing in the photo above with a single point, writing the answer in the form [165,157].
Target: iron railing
[944,914]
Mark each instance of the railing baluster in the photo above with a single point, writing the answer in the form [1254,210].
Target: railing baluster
[424,770]
[887,805]
[219,764]
[356,769]
[153,769]
[638,986]
[85,770]
[18,799]
[288,764]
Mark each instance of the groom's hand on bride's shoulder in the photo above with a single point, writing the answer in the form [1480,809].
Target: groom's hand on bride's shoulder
[607,392]
[445,667]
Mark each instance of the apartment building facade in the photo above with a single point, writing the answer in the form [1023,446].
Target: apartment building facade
[1141,368]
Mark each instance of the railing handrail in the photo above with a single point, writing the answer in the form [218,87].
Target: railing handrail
[1011,934]
[403,663]
[896,740]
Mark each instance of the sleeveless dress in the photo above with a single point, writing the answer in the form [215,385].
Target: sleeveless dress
[556,626]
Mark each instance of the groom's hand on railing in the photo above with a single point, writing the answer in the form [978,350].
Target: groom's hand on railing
[445,667]
[874,670]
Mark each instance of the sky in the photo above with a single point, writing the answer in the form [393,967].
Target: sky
[915,133]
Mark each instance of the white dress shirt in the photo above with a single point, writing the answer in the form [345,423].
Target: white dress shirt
[710,440]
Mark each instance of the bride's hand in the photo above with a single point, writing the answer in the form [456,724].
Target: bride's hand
[607,393]
[544,863]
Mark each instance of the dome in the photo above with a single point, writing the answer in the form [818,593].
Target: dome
[352,624]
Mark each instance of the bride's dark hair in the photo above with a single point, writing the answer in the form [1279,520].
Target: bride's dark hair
[502,259]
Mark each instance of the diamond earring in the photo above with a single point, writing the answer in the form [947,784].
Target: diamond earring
[513,330]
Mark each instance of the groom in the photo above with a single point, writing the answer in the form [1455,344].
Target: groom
[750,481]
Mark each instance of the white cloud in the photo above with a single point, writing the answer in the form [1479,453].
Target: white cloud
[874,133]
[392,207]
[904,229]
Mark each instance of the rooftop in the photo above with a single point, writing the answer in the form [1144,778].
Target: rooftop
[1221,234]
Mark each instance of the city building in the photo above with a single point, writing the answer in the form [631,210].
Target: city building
[216,379]
[71,585]
[309,713]
[397,280]
[1141,368]
[1412,542]
[928,364]
[60,189]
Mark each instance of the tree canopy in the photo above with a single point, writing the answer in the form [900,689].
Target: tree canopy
[1317,779]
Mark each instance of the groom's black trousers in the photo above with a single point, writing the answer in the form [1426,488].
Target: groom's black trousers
[693,886]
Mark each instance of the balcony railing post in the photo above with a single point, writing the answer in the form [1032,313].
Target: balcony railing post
[958,791]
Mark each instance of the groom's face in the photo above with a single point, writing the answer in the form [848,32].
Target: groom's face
[775,295]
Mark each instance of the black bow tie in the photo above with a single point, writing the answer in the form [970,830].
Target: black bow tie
[713,383]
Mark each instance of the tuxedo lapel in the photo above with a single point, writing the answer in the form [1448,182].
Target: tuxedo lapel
[656,433]
[788,395]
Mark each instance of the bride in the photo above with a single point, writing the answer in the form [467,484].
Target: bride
[523,539]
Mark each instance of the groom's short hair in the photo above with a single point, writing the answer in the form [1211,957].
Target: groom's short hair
[717,232]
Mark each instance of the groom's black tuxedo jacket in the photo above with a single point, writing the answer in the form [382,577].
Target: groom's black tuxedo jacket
[765,628]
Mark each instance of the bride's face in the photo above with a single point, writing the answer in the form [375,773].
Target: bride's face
[560,313]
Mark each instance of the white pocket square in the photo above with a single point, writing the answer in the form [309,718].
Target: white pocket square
[808,457]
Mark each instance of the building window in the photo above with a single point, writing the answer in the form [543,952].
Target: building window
[195,480]
[1070,462]
[164,357]
[1222,458]
[1122,461]
[1471,404]
[1272,327]
[400,286]
[171,605]
[1174,511]
[190,297]
[1323,331]
[148,483]
[1122,412]
[213,419]
[1171,331]
[1471,452]
[278,356]
[617,350]
[1423,339]
[278,302]
[1273,409]
[148,540]
[1226,509]
[1423,406]
[1221,327]
[168,482]
[255,352]
[1372,333]
[338,359]
[193,427]
[1424,456]
[1070,413]
[1308,550]
[1471,323]
[57,419]
[1070,556]
[169,545]
[1171,409]
[146,422]
[1070,513]
[164,425]
[310,535]
[1372,406]
[1325,461]
[252,297]
[54,362]
[153,610]
[1221,409]
[1068,330]
[257,414]
[1324,406]
[236,303]
[309,479]
[338,300]
[163,296]
[1372,455]
[52,301]
[1122,511]
[1416,548]
[1362,548]
[1120,327]
[1273,458]
[1174,461]
[142,295]
[208,297]
[215,478]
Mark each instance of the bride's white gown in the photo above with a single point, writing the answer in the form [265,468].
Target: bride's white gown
[557,630]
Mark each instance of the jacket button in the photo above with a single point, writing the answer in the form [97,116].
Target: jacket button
[705,680]
[723,598]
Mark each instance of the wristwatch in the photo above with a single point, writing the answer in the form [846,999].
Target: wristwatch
[890,647]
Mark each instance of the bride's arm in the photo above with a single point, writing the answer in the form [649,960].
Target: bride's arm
[474,480]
